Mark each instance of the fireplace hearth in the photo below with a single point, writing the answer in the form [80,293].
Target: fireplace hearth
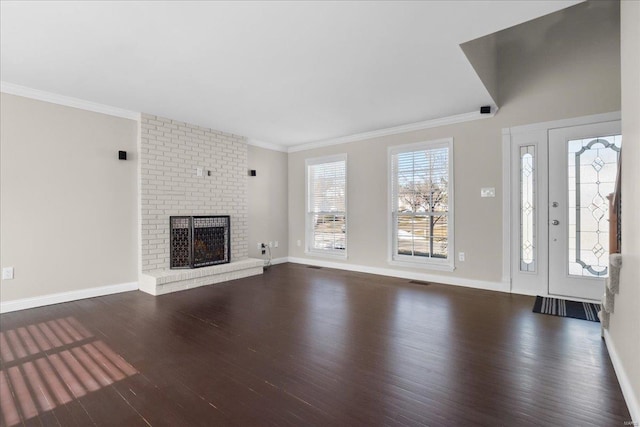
[199,241]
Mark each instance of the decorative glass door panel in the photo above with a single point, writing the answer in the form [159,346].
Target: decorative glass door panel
[592,167]
[528,208]
[583,162]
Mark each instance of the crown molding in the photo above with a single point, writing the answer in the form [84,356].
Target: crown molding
[14,89]
[40,95]
[267,145]
[443,121]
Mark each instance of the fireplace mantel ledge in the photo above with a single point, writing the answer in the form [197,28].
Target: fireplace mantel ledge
[159,282]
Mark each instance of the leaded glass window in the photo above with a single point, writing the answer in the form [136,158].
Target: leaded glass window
[592,167]
[527,209]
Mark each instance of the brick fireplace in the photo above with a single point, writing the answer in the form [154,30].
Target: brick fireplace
[190,171]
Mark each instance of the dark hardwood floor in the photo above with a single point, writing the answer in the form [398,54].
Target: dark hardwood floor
[300,346]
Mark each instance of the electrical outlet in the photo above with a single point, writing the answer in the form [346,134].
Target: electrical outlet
[259,245]
[199,171]
[7,273]
[275,244]
[461,256]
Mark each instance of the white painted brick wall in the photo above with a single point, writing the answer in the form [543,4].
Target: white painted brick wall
[170,152]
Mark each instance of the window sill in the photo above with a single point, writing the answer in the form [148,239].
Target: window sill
[332,255]
[422,265]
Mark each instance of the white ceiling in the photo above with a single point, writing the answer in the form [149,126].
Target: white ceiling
[286,73]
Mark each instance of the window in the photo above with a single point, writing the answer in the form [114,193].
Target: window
[421,178]
[528,208]
[326,221]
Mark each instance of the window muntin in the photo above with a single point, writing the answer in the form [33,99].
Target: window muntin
[422,202]
[326,219]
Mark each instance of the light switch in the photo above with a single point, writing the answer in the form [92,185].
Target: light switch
[488,192]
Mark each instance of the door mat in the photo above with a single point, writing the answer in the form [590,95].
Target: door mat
[566,308]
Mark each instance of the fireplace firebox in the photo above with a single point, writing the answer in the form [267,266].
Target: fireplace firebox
[199,241]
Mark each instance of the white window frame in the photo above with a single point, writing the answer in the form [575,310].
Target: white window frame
[394,258]
[309,249]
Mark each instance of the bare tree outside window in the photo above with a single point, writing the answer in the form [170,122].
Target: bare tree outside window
[422,202]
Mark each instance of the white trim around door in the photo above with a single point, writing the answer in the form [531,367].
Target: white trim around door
[536,134]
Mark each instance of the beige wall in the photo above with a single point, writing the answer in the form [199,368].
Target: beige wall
[624,327]
[482,53]
[68,214]
[570,68]
[268,219]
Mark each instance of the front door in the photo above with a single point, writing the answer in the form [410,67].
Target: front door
[583,163]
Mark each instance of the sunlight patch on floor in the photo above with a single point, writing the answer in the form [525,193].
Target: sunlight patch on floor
[49,364]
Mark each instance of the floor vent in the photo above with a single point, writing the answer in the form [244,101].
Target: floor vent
[314,267]
[419,282]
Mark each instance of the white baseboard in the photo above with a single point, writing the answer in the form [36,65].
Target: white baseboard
[24,303]
[411,275]
[279,260]
[625,384]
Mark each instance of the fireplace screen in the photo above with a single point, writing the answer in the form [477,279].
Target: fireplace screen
[199,241]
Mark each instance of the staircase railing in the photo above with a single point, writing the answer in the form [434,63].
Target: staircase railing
[615,235]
